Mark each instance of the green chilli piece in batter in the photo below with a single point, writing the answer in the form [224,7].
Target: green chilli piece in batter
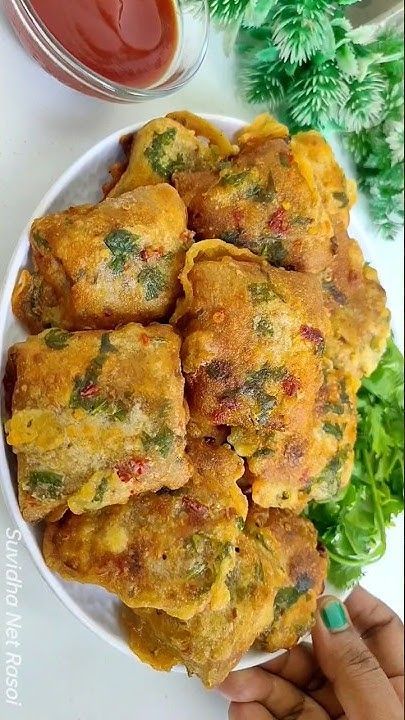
[57,339]
[45,484]
[162,441]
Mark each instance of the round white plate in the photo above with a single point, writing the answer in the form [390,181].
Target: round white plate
[81,183]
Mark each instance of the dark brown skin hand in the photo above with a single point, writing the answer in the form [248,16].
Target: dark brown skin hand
[355,670]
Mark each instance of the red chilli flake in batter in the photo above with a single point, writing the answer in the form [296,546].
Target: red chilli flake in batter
[278,223]
[291,385]
[145,339]
[314,336]
[131,468]
[152,254]
[193,507]
[89,391]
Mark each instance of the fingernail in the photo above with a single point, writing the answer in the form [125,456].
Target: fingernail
[334,616]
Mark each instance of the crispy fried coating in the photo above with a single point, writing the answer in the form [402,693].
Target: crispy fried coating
[104,265]
[212,642]
[171,550]
[96,417]
[265,199]
[337,192]
[288,200]
[253,338]
[353,295]
[277,564]
[293,541]
[357,303]
[334,435]
[165,145]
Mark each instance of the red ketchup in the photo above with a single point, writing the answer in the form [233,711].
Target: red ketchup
[131,42]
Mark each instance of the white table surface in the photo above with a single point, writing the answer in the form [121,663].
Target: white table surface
[68,673]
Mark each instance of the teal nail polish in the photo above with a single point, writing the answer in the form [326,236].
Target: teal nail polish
[334,617]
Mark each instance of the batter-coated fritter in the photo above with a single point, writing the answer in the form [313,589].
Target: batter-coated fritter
[335,434]
[267,571]
[170,550]
[293,541]
[253,338]
[337,192]
[360,320]
[265,199]
[104,265]
[166,145]
[96,417]
[359,317]
[212,642]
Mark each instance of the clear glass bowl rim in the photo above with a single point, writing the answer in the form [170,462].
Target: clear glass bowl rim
[51,48]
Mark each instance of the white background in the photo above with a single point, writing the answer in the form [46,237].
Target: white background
[67,672]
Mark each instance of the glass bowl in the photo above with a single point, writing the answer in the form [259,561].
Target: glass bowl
[193,30]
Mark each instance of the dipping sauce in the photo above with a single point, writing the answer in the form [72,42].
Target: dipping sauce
[131,42]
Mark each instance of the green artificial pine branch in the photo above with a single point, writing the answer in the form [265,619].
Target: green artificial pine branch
[265,83]
[316,94]
[227,11]
[394,131]
[298,29]
[364,104]
[304,60]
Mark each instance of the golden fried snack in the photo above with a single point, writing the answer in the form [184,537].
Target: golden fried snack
[334,435]
[253,338]
[166,145]
[104,265]
[360,320]
[212,642]
[96,417]
[265,198]
[144,642]
[293,541]
[337,192]
[277,561]
[359,316]
[170,550]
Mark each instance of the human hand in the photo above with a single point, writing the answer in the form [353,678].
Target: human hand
[354,671]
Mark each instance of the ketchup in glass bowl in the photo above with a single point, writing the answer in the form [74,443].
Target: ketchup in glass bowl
[120,50]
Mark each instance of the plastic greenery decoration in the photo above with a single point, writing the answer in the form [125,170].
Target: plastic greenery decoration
[305,62]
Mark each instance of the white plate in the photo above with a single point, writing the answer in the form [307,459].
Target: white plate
[81,183]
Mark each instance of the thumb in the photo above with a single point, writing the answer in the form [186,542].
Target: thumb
[360,684]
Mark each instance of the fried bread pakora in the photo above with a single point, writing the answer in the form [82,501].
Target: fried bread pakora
[96,417]
[212,642]
[357,303]
[352,293]
[293,541]
[265,199]
[277,562]
[334,435]
[170,550]
[104,265]
[165,145]
[337,192]
[253,338]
